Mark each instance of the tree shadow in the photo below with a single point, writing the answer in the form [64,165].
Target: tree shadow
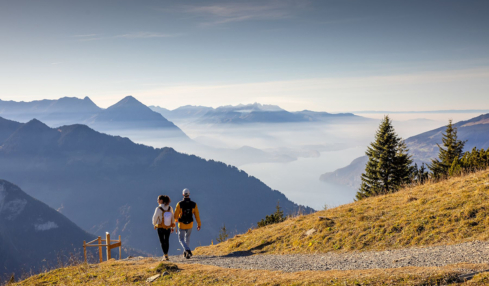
[249,252]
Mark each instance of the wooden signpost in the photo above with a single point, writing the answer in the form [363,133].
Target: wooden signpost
[108,246]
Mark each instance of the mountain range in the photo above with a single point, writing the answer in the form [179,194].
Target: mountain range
[422,147]
[125,116]
[131,118]
[250,113]
[108,183]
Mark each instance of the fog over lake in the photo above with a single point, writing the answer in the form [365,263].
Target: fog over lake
[295,155]
[299,180]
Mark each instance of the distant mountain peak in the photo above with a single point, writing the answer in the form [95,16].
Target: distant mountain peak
[128,101]
[35,123]
[251,107]
[88,100]
[130,98]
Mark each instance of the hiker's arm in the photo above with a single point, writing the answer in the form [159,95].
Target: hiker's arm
[197,216]
[172,220]
[177,212]
[156,216]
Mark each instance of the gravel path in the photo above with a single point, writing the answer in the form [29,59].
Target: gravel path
[472,252]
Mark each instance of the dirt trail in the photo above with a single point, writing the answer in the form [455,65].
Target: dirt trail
[471,252]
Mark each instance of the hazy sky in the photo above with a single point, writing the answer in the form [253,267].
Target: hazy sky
[319,55]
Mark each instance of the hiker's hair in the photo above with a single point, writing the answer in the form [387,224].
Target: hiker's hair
[160,197]
[166,199]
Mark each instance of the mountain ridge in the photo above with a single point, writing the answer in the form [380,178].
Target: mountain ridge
[23,217]
[120,180]
[249,113]
[124,116]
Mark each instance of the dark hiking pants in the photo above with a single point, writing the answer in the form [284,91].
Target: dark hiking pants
[164,235]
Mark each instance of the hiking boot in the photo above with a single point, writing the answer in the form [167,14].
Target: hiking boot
[166,257]
[185,254]
[190,253]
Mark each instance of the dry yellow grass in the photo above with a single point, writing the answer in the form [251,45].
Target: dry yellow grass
[447,212]
[136,273]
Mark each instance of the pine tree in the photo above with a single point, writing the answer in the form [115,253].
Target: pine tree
[451,150]
[388,167]
[402,163]
[276,217]
[455,168]
[422,175]
[223,234]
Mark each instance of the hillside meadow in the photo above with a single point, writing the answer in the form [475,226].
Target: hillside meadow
[137,272]
[446,212]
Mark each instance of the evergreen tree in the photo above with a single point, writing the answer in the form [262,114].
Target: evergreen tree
[451,151]
[402,164]
[455,168]
[276,217]
[388,167]
[423,174]
[223,234]
[472,161]
[415,173]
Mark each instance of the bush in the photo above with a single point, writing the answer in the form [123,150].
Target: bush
[223,234]
[276,217]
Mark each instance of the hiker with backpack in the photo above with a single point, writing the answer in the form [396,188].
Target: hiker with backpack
[163,221]
[184,215]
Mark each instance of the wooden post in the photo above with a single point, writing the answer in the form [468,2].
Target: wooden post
[100,255]
[107,241]
[85,250]
[120,248]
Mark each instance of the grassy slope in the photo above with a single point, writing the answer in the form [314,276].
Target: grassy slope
[447,212]
[136,272]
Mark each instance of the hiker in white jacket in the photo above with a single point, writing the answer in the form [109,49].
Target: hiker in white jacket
[164,222]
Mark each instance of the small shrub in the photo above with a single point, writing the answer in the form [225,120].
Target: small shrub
[165,266]
[223,234]
[471,213]
[395,228]
[324,223]
[276,217]
[420,229]
[410,199]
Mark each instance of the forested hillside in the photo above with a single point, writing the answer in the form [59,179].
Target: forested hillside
[108,183]
[34,236]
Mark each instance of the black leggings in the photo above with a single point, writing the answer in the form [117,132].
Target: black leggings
[164,235]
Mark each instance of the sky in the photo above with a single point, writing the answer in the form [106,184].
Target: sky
[320,55]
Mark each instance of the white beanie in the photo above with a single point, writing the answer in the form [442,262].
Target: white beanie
[186,192]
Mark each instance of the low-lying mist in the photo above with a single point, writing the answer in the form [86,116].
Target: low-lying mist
[289,157]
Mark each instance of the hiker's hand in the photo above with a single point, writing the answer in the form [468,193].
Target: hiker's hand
[172,230]
[155,227]
[198,228]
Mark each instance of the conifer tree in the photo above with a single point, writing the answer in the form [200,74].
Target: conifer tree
[223,234]
[422,175]
[451,151]
[388,167]
[276,217]
[402,164]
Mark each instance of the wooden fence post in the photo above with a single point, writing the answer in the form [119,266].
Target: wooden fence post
[107,241]
[85,250]
[120,248]
[100,255]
